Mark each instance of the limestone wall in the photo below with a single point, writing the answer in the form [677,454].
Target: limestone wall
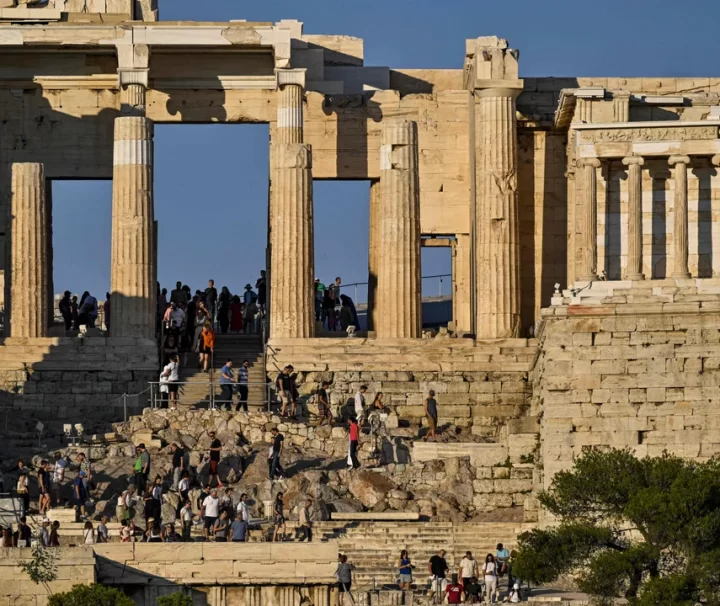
[637,368]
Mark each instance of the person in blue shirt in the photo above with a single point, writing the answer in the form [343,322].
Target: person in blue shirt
[502,556]
[227,380]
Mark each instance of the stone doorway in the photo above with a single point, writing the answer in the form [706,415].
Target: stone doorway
[436,260]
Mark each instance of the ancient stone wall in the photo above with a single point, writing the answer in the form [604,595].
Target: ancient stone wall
[638,367]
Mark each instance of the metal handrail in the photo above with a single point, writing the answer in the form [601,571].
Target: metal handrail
[213,398]
[355,285]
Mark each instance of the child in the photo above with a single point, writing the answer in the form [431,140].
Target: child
[514,595]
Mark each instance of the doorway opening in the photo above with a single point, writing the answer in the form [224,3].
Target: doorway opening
[81,232]
[211,204]
[437,284]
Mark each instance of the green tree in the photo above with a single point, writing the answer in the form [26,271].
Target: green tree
[42,567]
[91,595]
[644,529]
[175,599]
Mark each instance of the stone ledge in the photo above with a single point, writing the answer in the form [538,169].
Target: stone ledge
[370,516]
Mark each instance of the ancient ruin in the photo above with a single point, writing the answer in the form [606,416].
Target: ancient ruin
[582,215]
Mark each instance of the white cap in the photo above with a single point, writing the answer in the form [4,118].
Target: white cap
[516,586]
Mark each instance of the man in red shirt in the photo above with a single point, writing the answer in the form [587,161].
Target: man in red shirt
[454,591]
[353,462]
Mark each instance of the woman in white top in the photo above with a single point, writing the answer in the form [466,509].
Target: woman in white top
[89,533]
[490,574]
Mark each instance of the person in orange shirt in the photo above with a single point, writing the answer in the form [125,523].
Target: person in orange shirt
[207,345]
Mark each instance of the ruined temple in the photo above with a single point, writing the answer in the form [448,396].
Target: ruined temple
[582,214]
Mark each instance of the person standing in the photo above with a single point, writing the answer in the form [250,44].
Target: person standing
[86,467]
[278,518]
[360,404]
[285,385]
[278,441]
[211,296]
[59,477]
[490,574]
[210,512]
[221,527]
[89,309]
[438,568]
[404,571]
[344,577]
[156,502]
[243,378]
[23,488]
[54,539]
[103,534]
[142,468]
[304,530]
[468,570]
[106,311]
[238,529]
[44,483]
[324,413]
[431,413]
[80,495]
[178,464]
[66,310]
[214,451]
[223,309]
[186,516]
[178,295]
[354,434]
[243,517]
[319,296]
[171,373]
[75,312]
[227,380]
[261,287]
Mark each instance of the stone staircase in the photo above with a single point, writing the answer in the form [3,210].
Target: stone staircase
[236,348]
[374,547]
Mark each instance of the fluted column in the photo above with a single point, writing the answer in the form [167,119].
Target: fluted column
[680,233]
[398,294]
[29,269]
[589,167]
[635,229]
[498,253]
[374,252]
[132,271]
[290,86]
[292,313]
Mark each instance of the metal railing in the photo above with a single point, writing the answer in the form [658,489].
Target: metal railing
[439,283]
[159,398]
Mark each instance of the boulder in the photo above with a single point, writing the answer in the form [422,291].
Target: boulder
[344,506]
[369,487]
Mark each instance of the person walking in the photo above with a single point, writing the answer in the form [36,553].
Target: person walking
[242,385]
[142,468]
[178,295]
[223,309]
[59,477]
[304,530]
[238,529]
[186,518]
[243,517]
[285,386]
[490,575]
[221,527]
[227,381]
[211,296]
[206,345]
[404,571]
[66,310]
[438,568]
[178,464]
[44,483]
[278,518]
[103,534]
[431,413]
[214,451]
[278,441]
[88,309]
[172,374]
[354,435]
[324,412]
[236,315]
[344,577]
[261,287]
[156,502]
[360,404]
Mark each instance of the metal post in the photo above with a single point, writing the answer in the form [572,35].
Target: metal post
[125,415]
[355,300]
[440,289]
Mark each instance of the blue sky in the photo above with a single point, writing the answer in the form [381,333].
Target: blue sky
[213,179]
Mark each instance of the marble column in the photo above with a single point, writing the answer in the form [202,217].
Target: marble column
[132,272]
[680,232]
[498,251]
[133,85]
[29,296]
[635,225]
[292,313]
[588,270]
[290,86]
[398,300]
[374,252]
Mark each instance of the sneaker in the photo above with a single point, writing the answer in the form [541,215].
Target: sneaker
[221,485]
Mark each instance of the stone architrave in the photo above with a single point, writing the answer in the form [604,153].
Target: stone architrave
[398,294]
[498,249]
[635,228]
[680,232]
[292,313]
[589,168]
[29,297]
[132,276]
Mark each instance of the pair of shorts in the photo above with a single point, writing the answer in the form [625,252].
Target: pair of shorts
[344,587]
[173,387]
[210,522]
[405,578]
[204,349]
[286,397]
[432,422]
[213,467]
[279,520]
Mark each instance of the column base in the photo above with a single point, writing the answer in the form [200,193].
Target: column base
[635,277]
[681,276]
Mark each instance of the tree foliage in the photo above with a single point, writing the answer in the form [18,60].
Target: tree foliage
[42,567]
[91,595]
[645,529]
[176,599]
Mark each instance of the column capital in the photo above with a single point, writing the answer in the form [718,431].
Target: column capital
[715,160]
[593,162]
[287,77]
[673,160]
[630,160]
[133,64]
[498,88]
